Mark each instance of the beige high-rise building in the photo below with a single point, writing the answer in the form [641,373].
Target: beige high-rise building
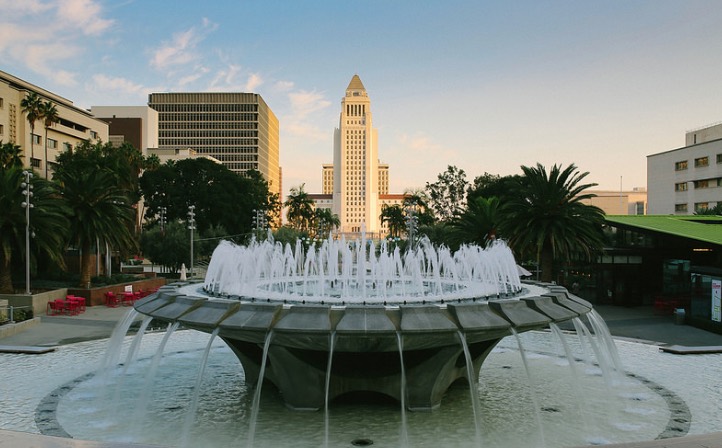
[356,185]
[40,148]
[239,129]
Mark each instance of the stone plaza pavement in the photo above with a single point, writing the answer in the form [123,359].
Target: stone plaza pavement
[639,323]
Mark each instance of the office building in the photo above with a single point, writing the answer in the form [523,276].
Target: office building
[238,129]
[41,146]
[687,180]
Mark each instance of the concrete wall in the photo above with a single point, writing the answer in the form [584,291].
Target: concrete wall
[38,302]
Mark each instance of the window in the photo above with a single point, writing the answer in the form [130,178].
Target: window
[719,158]
[700,162]
[2,103]
[35,163]
[680,208]
[36,139]
[679,166]
[701,184]
[67,146]
[52,144]
[682,186]
[2,129]
[93,135]
[701,206]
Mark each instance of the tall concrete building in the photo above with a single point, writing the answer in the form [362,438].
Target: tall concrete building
[356,185]
[238,129]
[686,180]
[40,150]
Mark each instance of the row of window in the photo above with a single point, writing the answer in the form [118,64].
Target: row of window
[698,184]
[699,162]
[204,142]
[220,116]
[698,207]
[238,133]
[206,107]
[201,125]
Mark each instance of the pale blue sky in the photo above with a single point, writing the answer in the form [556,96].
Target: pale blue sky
[485,86]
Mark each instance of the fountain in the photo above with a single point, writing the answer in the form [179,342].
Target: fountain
[344,317]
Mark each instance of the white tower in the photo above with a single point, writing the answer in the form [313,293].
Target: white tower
[355,163]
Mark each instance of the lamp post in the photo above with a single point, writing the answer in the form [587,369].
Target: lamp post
[412,223]
[163,211]
[191,227]
[27,205]
[259,222]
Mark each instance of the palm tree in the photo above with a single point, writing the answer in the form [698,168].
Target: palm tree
[101,209]
[10,155]
[300,208]
[326,221]
[49,116]
[48,223]
[478,223]
[393,216]
[32,106]
[545,216]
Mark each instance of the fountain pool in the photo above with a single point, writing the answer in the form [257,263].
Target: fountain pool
[44,393]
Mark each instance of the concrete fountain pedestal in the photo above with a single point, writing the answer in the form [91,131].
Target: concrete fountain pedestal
[363,342]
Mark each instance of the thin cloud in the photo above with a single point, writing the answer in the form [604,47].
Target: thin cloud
[84,15]
[60,39]
[181,48]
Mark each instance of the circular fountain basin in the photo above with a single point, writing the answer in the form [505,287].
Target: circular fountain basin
[365,339]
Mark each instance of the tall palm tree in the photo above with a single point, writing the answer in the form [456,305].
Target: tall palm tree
[326,221]
[10,155]
[478,223]
[101,209]
[300,208]
[49,116]
[545,216]
[48,223]
[393,216]
[31,106]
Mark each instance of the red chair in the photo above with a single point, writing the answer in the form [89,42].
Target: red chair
[78,302]
[128,298]
[53,309]
[111,300]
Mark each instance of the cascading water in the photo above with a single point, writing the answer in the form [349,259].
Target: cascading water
[359,305]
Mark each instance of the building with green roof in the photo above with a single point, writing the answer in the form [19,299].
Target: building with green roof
[669,261]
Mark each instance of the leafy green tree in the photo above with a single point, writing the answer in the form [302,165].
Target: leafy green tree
[48,219]
[49,116]
[32,108]
[492,186]
[300,208]
[221,197]
[170,247]
[93,185]
[545,216]
[716,210]
[478,224]
[418,201]
[447,196]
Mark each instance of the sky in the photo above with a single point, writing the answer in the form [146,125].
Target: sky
[484,86]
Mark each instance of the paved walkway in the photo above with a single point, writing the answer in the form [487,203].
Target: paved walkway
[98,322]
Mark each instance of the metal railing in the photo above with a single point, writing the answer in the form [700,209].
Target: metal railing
[11,313]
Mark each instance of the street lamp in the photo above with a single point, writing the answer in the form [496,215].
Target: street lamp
[163,211]
[412,222]
[28,193]
[191,227]
[259,222]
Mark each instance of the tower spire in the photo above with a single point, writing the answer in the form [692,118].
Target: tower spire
[356,84]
